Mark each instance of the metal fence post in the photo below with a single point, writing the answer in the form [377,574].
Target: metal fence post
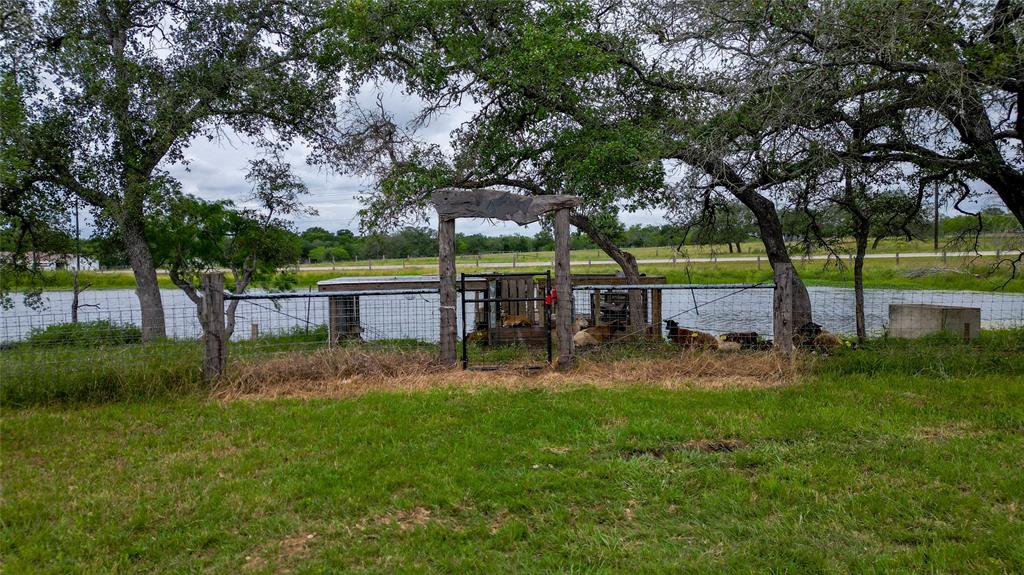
[782,308]
[215,348]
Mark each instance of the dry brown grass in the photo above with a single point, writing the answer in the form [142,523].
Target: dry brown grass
[345,373]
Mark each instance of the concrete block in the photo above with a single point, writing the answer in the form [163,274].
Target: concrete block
[917,320]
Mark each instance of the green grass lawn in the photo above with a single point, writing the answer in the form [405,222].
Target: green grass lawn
[895,457]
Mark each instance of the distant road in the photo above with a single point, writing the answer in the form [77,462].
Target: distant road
[649,261]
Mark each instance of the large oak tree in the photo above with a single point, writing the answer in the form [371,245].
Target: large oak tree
[114,91]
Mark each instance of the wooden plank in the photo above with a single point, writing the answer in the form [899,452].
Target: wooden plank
[494,204]
[533,336]
[371,285]
[563,289]
[613,279]
[447,289]
[215,344]
[782,308]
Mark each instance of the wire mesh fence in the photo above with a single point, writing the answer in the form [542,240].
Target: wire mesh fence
[46,355]
[744,312]
[268,323]
[40,347]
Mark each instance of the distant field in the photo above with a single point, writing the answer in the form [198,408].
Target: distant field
[754,248]
[910,273]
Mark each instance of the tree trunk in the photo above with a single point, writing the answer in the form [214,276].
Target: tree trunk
[627,263]
[147,288]
[858,283]
[242,280]
[1009,185]
[770,227]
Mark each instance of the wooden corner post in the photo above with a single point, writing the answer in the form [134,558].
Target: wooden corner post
[446,288]
[782,308]
[563,291]
[215,345]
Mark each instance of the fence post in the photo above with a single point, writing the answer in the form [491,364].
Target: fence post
[215,349]
[446,289]
[782,308]
[563,290]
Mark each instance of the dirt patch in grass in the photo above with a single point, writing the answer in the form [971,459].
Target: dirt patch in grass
[944,431]
[701,445]
[289,549]
[346,373]
[404,519]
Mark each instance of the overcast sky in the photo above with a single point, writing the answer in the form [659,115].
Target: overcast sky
[216,170]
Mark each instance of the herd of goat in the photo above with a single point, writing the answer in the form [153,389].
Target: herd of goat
[810,336]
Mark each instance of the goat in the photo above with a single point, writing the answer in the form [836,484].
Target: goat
[825,342]
[600,332]
[805,334]
[746,340]
[516,321]
[583,339]
[690,338]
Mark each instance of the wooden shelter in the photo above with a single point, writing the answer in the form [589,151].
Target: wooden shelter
[504,323]
[610,306]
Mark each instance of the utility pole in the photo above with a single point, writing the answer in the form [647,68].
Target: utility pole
[935,197]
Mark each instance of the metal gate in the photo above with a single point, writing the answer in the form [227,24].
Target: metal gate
[509,309]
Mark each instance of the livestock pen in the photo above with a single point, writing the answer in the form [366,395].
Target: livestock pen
[43,355]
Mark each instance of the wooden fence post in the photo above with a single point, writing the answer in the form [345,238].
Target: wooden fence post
[782,308]
[215,345]
[446,288]
[563,289]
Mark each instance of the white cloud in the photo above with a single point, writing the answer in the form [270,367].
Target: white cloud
[215,170]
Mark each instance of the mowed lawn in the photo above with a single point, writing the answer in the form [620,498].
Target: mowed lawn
[868,465]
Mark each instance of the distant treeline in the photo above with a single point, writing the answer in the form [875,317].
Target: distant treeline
[319,245]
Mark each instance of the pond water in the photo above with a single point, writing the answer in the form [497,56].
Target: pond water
[415,316]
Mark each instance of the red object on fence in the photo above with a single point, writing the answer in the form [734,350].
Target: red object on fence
[551,298]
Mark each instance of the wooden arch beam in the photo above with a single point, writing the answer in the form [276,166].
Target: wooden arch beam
[453,203]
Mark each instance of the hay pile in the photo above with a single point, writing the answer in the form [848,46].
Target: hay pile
[346,372]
